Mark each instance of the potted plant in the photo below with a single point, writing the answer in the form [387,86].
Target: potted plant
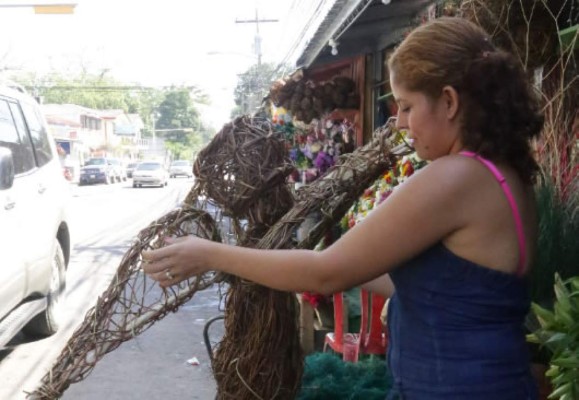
[559,334]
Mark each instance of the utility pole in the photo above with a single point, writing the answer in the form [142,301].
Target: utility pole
[257,42]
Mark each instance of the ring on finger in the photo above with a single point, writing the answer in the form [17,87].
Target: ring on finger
[169,275]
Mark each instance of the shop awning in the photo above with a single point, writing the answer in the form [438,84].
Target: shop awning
[360,27]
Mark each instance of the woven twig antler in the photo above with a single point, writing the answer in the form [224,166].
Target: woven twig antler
[130,305]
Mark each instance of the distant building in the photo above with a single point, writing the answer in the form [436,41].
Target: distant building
[82,132]
[126,133]
[78,132]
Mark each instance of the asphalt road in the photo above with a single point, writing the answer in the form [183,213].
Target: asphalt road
[104,220]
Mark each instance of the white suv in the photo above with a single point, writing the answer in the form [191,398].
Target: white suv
[34,236]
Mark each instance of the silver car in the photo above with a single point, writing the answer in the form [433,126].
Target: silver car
[181,168]
[150,173]
[130,168]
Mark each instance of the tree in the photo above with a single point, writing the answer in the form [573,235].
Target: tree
[97,91]
[148,101]
[179,122]
[252,86]
[178,115]
[171,109]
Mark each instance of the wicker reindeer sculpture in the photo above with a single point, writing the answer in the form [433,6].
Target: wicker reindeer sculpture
[243,172]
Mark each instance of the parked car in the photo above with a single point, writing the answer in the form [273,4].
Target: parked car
[181,168]
[98,170]
[150,173]
[120,171]
[130,168]
[34,232]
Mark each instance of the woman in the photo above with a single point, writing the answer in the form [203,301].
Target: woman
[455,241]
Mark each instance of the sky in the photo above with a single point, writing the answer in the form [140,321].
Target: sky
[151,42]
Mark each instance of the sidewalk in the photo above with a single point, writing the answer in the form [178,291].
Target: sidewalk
[154,365]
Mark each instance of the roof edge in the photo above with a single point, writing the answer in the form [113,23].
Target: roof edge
[345,16]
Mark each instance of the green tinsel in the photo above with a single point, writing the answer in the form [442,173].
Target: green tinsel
[326,377]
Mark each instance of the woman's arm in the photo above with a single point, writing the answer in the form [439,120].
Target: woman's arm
[382,285]
[417,215]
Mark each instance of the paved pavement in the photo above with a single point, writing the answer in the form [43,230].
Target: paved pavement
[154,365]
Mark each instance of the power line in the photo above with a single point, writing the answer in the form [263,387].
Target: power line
[106,88]
[301,35]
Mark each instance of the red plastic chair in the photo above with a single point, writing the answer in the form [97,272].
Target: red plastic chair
[374,338]
[371,339]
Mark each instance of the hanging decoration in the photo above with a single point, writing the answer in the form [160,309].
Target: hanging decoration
[307,100]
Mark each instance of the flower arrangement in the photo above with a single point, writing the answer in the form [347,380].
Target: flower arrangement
[381,189]
[316,146]
[372,196]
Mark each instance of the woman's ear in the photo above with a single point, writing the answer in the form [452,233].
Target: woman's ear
[451,101]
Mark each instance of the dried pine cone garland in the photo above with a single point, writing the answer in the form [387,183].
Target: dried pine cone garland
[307,100]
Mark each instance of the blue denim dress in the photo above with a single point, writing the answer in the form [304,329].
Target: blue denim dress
[456,331]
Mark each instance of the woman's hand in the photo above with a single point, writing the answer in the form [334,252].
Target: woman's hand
[182,258]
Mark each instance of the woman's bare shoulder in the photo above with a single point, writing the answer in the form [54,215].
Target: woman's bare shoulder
[454,173]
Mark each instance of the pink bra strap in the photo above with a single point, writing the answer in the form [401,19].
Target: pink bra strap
[512,203]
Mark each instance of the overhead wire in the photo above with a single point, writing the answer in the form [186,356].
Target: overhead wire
[282,65]
[303,32]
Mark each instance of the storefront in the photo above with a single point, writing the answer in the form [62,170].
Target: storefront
[339,93]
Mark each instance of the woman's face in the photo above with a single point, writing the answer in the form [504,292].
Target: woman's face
[431,123]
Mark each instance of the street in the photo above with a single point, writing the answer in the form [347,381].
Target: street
[104,219]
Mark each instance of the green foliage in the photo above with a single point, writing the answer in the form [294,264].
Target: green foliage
[185,151]
[96,91]
[178,115]
[180,125]
[558,244]
[235,112]
[326,376]
[207,133]
[559,333]
[252,86]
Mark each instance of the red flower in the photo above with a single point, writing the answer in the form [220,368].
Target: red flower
[407,169]
[313,298]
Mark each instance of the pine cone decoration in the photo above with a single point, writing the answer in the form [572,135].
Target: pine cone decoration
[306,103]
